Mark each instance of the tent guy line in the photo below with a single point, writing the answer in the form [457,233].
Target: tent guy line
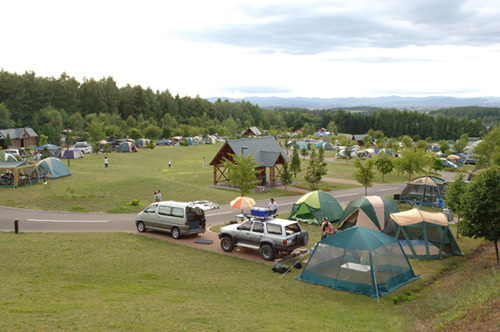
[63,220]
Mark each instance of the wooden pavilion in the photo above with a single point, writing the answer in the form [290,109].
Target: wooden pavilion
[266,151]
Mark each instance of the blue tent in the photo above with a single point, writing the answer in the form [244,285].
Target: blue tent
[52,168]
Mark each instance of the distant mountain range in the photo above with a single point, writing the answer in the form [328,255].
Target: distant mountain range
[390,102]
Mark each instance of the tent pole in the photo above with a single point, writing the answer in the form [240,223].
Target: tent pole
[373,276]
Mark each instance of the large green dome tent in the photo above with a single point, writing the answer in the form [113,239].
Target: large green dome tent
[370,211]
[359,260]
[52,168]
[424,190]
[315,205]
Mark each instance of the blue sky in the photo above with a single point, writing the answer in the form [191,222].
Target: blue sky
[262,48]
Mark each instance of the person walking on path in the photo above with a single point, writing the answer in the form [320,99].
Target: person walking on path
[106,164]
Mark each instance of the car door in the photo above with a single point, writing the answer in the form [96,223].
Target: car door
[164,214]
[257,233]
[149,216]
[242,233]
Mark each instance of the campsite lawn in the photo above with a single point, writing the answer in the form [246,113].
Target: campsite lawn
[122,281]
[133,177]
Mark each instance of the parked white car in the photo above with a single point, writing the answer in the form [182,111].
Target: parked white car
[14,152]
[84,147]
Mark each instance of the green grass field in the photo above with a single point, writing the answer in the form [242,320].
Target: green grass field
[135,176]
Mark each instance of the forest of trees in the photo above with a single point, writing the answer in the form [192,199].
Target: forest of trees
[99,109]
[490,116]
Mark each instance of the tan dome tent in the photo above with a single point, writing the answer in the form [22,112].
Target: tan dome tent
[369,211]
[423,235]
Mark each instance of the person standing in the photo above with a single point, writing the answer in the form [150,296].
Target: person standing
[106,163]
[272,207]
[158,195]
[170,164]
[204,162]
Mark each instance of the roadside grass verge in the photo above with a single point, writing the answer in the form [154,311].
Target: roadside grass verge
[118,281]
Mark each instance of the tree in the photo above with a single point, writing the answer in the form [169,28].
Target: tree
[488,151]
[295,165]
[152,132]
[364,174]
[134,133]
[434,164]
[454,196]
[314,171]
[8,140]
[304,153]
[96,131]
[411,162]
[421,145]
[332,128]
[407,141]
[444,147]
[461,143]
[321,161]
[384,164]
[5,121]
[481,217]
[286,175]
[242,173]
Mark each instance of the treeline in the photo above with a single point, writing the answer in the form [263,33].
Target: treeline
[99,108]
[490,116]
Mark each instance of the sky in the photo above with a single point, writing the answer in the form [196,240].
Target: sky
[240,48]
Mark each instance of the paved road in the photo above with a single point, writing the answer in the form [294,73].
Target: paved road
[49,221]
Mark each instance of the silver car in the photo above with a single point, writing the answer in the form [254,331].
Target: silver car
[177,218]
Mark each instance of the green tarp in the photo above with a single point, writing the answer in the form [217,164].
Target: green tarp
[315,205]
[359,260]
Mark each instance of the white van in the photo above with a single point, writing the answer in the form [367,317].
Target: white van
[177,218]
[12,152]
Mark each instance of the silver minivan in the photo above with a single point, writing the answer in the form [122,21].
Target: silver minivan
[177,218]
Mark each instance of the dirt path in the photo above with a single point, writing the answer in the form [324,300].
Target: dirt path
[239,252]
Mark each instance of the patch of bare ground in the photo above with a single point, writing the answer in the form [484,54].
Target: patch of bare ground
[467,311]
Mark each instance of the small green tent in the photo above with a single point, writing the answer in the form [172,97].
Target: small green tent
[52,168]
[315,205]
[141,142]
[423,235]
[424,190]
[359,260]
[126,147]
[369,211]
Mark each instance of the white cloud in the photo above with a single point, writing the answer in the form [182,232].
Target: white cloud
[241,48]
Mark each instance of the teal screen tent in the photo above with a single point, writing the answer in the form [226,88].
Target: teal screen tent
[359,260]
[423,235]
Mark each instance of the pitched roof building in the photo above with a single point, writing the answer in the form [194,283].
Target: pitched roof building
[266,151]
[20,137]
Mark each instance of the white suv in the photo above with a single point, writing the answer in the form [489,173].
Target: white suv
[268,235]
[84,147]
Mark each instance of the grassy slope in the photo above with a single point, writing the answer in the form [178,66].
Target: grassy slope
[127,282]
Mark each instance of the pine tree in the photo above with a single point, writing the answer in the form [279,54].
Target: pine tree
[295,165]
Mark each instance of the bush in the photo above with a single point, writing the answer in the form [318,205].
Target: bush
[134,202]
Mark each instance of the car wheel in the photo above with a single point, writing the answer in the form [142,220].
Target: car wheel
[267,252]
[226,244]
[304,238]
[141,227]
[176,233]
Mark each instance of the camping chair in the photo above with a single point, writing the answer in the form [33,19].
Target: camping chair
[439,203]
